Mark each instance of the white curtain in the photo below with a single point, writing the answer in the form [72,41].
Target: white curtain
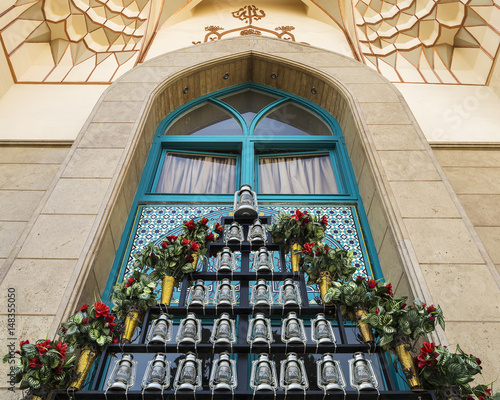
[197,173]
[307,174]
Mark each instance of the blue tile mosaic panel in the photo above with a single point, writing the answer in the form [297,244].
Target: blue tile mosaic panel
[154,222]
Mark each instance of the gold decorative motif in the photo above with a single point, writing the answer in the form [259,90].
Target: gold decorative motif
[296,256]
[250,32]
[248,13]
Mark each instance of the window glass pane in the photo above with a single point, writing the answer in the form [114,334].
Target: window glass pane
[249,102]
[297,174]
[291,119]
[197,173]
[207,119]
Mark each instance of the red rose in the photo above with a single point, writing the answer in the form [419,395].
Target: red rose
[324,220]
[116,340]
[190,225]
[308,248]
[377,310]
[372,283]
[204,221]
[403,306]
[295,218]
[58,369]
[211,237]
[360,279]
[61,348]
[101,309]
[194,246]
[164,245]
[130,281]
[388,287]
[185,242]
[327,249]
[84,308]
[427,356]
[43,347]
[299,214]
[23,343]
[431,317]
[110,319]
[305,221]
[218,228]
[430,309]
[171,238]
[189,259]
[35,363]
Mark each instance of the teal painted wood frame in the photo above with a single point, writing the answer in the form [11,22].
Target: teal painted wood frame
[247,145]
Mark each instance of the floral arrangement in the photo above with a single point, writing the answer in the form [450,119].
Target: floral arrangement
[172,258]
[90,327]
[300,228]
[318,257]
[42,366]
[137,290]
[440,369]
[199,233]
[392,317]
[358,292]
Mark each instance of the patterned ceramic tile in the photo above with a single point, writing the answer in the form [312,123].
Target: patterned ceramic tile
[156,222]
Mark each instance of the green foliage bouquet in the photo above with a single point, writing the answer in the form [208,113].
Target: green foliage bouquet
[392,317]
[137,290]
[42,366]
[90,327]
[358,293]
[441,369]
[199,233]
[300,228]
[320,257]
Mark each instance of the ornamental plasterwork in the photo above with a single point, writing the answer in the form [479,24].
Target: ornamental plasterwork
[433,41]
[429,41]
[248,14]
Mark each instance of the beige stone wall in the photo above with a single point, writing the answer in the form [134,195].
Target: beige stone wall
[423,237]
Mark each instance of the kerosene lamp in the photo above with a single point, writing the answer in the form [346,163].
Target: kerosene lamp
[257,232]
[160,331]
[289,293]
[234,233]
[223,330]
[259,330]
[225,261]
[198,294]
[329,373]
[189,330]
[245,203]
[293,374]
[223,375]
[263,261]
[123,374]
[321,330]
[261,294]
[292,329]
[188,376]
[263,374]
[224,293]
[157,375]
[362,375]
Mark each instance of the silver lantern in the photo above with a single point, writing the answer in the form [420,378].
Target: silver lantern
[224,330]
[329,373]
[160,331]
[123,374]
[189,330]
[234,233]
[157,375]
[292,329]
[259,330]
[321,330]
[263,374]
[361,373]
[226,261]
[256,232]
[245,203]
[263,261]
[224,293]
[223,375]
[289,293]
[198,294]
[261,294]
[188,375]
[293,373]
